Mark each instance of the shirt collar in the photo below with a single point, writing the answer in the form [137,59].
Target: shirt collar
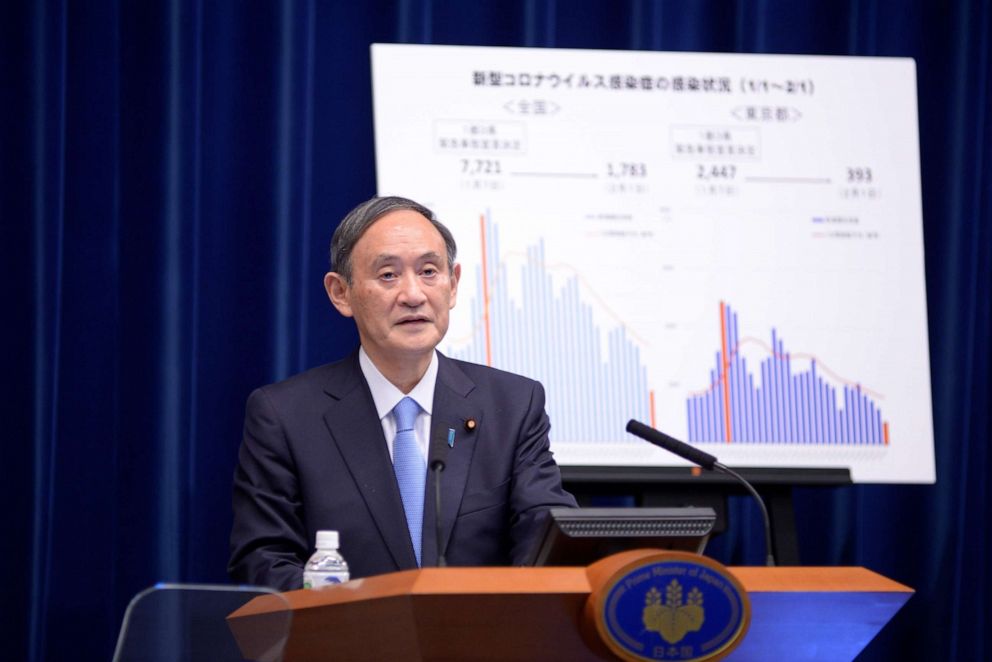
[385,395]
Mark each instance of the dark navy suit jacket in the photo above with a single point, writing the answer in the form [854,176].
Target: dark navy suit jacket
[314,457]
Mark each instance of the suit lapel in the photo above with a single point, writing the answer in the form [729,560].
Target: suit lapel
[354,426]
[452,411]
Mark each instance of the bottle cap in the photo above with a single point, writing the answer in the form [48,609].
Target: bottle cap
[327,540]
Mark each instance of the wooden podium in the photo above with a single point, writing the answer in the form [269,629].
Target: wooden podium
[539,614]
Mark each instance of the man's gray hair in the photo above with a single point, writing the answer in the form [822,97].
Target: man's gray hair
[361,218]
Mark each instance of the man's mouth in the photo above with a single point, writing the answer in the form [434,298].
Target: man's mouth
[412,321]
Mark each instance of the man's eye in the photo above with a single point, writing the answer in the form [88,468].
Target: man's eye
[387,275]
[429,271]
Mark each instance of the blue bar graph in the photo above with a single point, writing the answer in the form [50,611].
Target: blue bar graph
[549,335]
[790,406]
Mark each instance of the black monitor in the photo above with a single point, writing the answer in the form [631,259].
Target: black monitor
[580,536]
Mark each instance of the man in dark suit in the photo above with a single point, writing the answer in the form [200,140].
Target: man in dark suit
[319,449]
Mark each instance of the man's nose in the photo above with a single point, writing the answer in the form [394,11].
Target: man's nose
[411,290]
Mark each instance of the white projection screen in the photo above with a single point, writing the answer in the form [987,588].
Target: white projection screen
[726,247]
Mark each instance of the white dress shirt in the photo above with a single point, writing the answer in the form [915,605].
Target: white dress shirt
[385,396]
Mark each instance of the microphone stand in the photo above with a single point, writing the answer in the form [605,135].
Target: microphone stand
[706,461]
[437,467]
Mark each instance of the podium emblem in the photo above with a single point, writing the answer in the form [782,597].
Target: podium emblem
[671,606]
[674,618]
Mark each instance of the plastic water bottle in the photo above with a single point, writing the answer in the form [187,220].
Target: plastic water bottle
[326,566]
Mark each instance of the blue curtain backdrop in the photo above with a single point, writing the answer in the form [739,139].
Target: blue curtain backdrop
[171,174]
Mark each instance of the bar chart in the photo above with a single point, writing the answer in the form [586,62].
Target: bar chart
[668,254]
[548,333]
[789,405]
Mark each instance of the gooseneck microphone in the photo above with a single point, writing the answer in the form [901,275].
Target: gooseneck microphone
[706,461]
[437,466]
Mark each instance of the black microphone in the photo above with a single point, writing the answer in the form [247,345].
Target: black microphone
[706,461]
[437,467]
[671,444]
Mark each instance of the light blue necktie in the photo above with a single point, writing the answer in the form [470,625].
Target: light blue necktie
[410,468]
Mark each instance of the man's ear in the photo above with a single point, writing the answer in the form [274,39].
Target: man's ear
[456,274]
[337,291]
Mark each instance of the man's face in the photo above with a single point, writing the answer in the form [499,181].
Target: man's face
[401,289]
